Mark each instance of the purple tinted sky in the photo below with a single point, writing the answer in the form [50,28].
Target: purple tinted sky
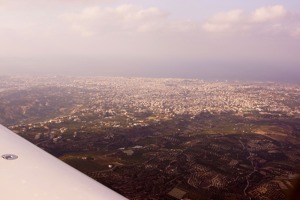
[253,40]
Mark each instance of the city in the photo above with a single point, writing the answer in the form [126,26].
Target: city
[164,138]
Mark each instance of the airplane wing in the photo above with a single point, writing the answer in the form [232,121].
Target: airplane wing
[27,172]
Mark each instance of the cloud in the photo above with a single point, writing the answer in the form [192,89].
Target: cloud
[124,18]
[97,21]
[228,17]
[272,20]
[223,21]
[265,14]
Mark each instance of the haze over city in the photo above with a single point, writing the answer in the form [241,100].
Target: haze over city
[235,40]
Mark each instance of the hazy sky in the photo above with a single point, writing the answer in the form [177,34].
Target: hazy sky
[230,39]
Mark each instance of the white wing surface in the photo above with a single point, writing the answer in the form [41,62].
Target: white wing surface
[29,173]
